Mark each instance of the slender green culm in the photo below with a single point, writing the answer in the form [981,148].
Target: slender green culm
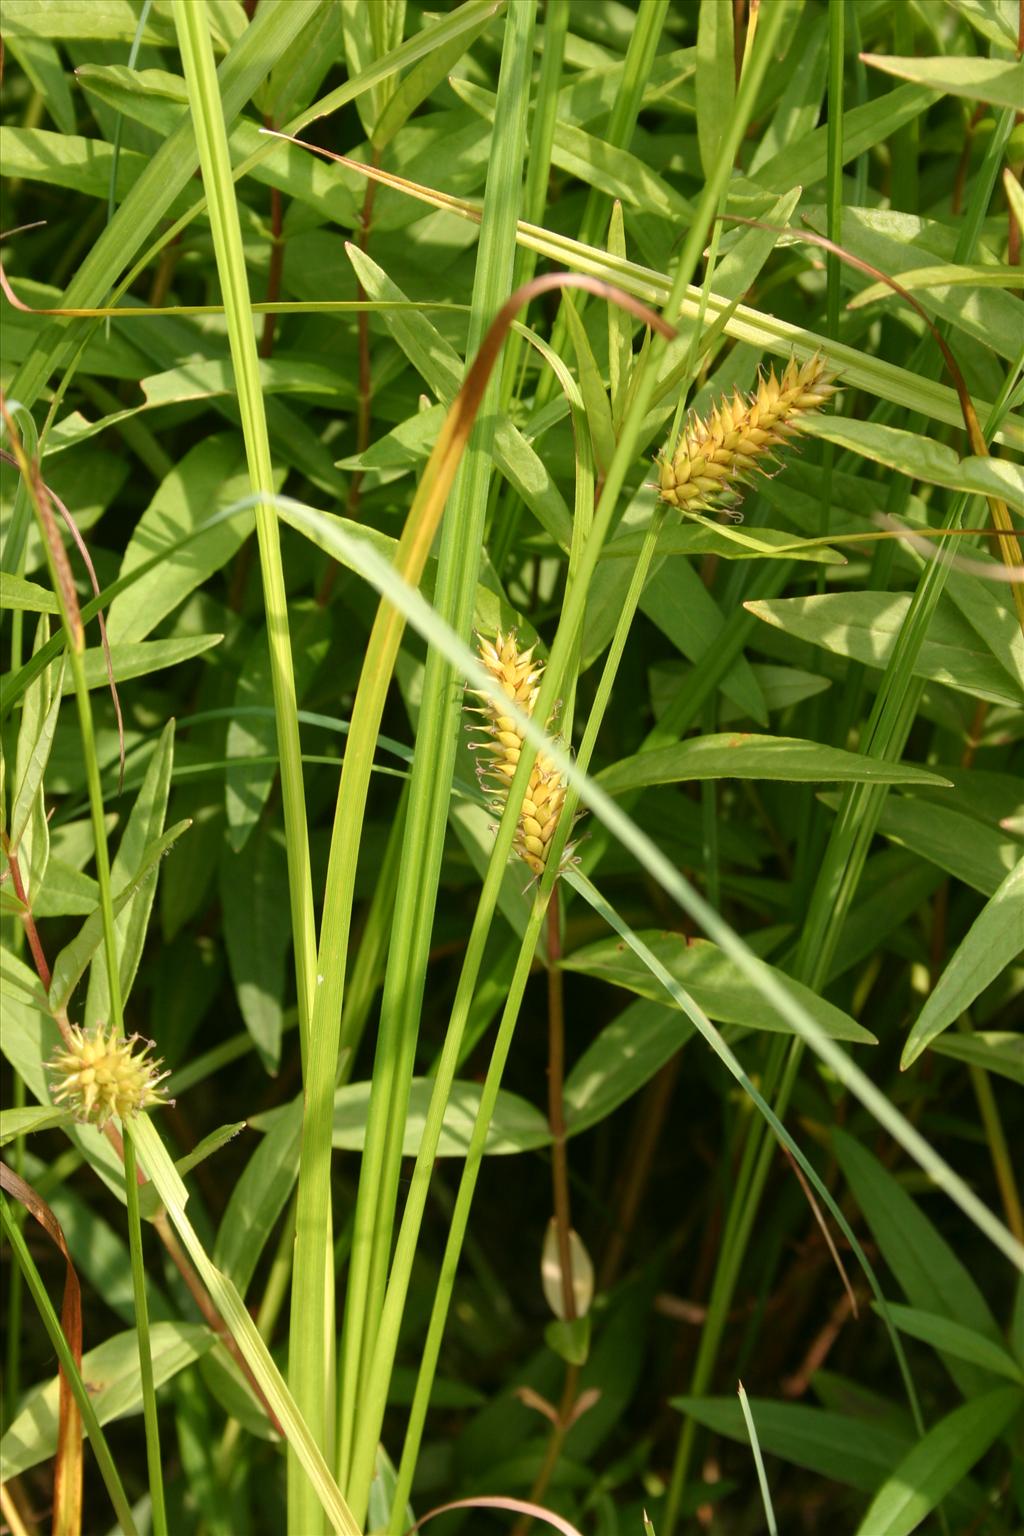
[193,27]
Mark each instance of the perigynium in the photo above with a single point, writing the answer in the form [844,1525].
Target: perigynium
[717,454]
[518,674]
[101,1073]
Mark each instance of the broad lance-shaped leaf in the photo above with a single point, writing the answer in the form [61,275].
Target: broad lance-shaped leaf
[73,161]
[804,157]
[954,1339]
[247,786]
[715,82]
[258,1198]
[23,596]
[922,458]
[209,476]
[168,172]
[112,1373]
[106,20]
[969,849]
[74,957]
[684,610]
[935,1465]
[929,1273]
[993,1050]
[621,1059]
[149,1202]
[35,1117]
[741,755]
[37,757]
[211,378]
[43,66]
[981,602]
[139,659]
[865,626]
[611,170]
[516,1125]
[595,399]
[714,981]
[949,275]
[145,825]
[994,940]
[66,892]
[894,241]
[30,828]
[701,537]
[851,1451]
[999,82]
[257,936]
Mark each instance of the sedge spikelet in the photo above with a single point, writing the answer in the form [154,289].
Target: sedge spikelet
[718,453]
[101,1073]
[518,674]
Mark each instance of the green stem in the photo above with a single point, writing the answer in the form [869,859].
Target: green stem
[149,1411]
[460,1219]
[438,729]
[51,1322]
[208,118]
[758,1148]
[556,1441]
[556,1109]
[75,642]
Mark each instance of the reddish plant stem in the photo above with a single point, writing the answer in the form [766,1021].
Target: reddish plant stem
[29,922]
[563,1418]
[643,1143]
[798,1384]
[562,1426]
[556,1107]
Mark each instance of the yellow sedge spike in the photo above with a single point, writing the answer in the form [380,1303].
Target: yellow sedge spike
[101,1073]
[717,454]
[519,675]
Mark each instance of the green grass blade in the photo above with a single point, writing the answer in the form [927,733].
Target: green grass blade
[437,733]
[766,1498]
[211,136]
[233,1310]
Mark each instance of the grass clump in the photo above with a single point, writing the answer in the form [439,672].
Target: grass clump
[446,1201]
